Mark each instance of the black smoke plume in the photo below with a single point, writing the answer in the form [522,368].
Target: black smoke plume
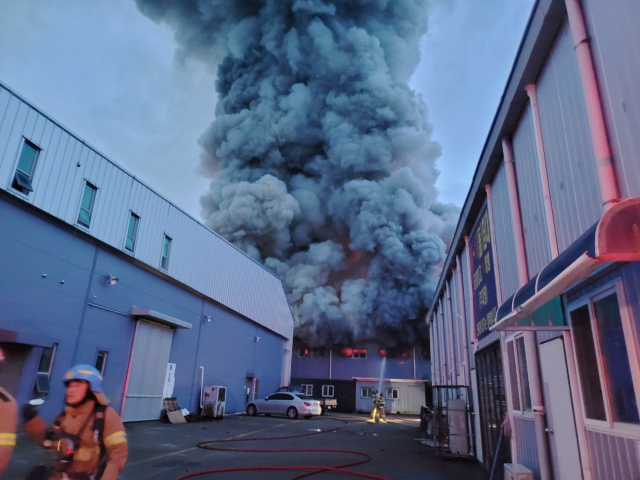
[321,157]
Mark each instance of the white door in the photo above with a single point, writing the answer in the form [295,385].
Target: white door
[563,441]
[147,370]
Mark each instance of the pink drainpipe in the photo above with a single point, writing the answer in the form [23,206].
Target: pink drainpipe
[604,163]
[542,166]
[531,345]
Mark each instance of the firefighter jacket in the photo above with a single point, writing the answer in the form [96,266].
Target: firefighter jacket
[8,422]
[79,420]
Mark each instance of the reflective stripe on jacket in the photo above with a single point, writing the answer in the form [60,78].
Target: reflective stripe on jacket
[8,422]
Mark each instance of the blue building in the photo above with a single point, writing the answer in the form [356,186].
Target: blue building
[97,268]
[537,310]
[351,374]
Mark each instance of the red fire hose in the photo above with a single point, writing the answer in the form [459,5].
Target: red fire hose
[312,469]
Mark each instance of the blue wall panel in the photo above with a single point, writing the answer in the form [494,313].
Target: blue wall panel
[43,311]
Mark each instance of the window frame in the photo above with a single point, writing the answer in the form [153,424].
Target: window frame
[104,362]
[328,395]
[306,389]
[47,373]
[522,411]
[392,390]
[361,353]
[32,174]
[164,239]
[93,203]
[369,391]
[135,232]
[608,425]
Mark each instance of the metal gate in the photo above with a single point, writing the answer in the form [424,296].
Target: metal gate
[147,370]
[493,408]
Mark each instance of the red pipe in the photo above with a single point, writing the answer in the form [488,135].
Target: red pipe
[313,469]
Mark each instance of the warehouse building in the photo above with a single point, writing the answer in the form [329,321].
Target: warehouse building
[98,268]
[538,308]
[351,375]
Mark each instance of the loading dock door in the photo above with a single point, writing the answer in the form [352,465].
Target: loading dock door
[147,370]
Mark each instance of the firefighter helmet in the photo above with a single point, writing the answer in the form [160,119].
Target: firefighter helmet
[85,373]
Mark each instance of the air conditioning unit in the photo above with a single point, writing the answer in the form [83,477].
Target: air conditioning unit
[214,399]
[458,432]
[515,471]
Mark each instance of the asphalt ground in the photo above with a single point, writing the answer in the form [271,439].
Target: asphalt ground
[167,452]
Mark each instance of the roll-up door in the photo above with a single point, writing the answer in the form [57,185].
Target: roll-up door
[493,407]
[151,348]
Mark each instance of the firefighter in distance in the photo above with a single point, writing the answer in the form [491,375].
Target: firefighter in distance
[377,410]
[88,437]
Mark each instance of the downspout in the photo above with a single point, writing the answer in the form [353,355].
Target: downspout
[531,345]
[451,341]
[414,362]
[542,166]
[609,191]
[330,361]
[432,353]
[465,336]
[474,335]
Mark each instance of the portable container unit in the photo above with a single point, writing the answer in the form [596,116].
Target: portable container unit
[343,391]
[400,396]
[214,399]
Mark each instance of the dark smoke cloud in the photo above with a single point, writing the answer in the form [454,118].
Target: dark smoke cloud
[321,156]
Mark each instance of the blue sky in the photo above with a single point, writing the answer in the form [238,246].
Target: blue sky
[108,74]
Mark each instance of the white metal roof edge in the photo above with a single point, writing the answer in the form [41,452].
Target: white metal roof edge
[41,112]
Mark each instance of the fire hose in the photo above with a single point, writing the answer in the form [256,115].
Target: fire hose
[311,470]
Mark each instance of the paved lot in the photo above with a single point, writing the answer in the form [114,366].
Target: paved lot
[166,452]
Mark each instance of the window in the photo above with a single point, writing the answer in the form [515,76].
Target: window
[327,390]
[166,248]
[42,386]
[359,354]
[392,394]
[86,205]
[604,368]
[101,361]
[23,178]
[306,389]
[366,392]
[132,232]
[518,374]
[304,352]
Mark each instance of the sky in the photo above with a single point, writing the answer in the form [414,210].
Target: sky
[109,75]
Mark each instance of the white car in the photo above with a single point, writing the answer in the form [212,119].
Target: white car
[289,404]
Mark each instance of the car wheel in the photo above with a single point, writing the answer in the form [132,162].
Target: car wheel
[251,410]
[292,412]
[307,417]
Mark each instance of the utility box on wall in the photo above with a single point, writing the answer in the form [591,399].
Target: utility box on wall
[214,401]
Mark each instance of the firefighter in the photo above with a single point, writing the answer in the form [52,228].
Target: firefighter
[381,405]
[8,422]
[88,437]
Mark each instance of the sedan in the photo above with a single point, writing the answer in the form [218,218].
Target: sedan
[289,404]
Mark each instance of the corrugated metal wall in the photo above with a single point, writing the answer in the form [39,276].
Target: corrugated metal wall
[199,258]
[615,47]
[573,179]
[613,458]
[534,222]
[524,430]
[505,243]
